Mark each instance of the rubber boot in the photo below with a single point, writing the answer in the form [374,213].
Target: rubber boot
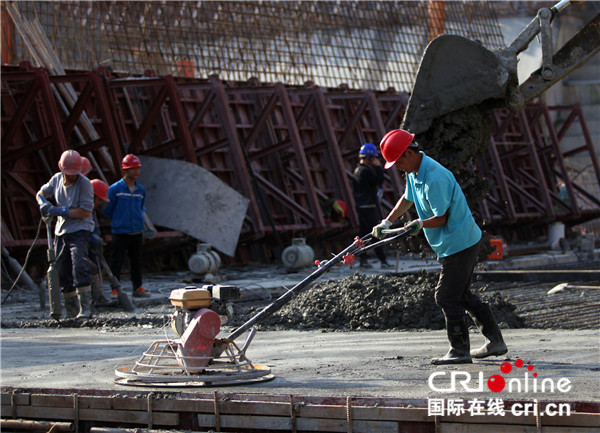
[98,299]
[85,300]
[71,303]
[494,345]
[458,335]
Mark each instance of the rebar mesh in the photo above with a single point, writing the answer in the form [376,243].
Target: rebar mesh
[364,44]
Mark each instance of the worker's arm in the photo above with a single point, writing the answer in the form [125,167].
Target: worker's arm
[79,213]
[402,206]
[47,209]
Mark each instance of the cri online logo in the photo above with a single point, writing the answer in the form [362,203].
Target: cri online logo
[496,382]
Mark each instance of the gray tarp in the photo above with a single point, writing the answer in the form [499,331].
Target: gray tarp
[188,198]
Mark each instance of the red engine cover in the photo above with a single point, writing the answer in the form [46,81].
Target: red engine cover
[198,339]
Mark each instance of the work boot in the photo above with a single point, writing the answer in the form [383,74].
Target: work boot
[140,292]
[85,300]
[458,335]
[385,265]
[71,303]
[98,299]
[494,345]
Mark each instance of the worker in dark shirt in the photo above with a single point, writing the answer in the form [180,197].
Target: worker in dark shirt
[368,179]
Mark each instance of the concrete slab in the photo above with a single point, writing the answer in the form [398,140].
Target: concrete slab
[374,364]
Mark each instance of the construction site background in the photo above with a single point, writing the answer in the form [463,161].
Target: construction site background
[242,105]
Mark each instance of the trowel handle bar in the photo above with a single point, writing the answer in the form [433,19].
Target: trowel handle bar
[400,233]
[287,296]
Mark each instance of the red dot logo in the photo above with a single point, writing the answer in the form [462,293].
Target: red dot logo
[496,383]
[506,367]
[519,363]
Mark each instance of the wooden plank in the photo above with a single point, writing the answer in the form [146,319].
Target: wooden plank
[506,428]
[574,420]
[267,423]
[109,402]
[112,415]
[20,398]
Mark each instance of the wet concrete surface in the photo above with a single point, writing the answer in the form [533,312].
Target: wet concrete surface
[316,362]
[313,363]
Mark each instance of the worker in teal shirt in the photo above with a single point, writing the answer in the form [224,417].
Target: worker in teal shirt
[452,233]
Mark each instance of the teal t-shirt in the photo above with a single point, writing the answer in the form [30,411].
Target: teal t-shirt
[435,191]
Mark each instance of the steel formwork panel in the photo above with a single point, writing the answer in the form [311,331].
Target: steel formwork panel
[290,150]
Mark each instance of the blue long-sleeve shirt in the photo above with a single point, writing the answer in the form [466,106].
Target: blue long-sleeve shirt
[126,208]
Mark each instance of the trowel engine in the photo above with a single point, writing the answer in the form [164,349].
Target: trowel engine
[197,319]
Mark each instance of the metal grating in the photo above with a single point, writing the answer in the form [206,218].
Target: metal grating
[364,44]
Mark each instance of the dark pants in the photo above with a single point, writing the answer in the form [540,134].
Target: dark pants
[71,260]
[132,244]
[452,293]
[369,217]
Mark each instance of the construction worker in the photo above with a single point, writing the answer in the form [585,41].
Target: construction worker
[86,166]
[100,200]
[126,208]
[452,233]
[74,198]
[368,179]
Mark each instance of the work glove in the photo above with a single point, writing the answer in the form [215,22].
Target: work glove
[49,211]
[383,225]
[414,227]
[41,200]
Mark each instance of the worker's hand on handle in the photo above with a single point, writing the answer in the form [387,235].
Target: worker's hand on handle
[414,227]
[48,210]
[377,231]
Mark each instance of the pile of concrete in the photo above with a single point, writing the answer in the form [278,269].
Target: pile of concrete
[370,302]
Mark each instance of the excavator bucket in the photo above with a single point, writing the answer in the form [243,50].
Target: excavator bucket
[454,73]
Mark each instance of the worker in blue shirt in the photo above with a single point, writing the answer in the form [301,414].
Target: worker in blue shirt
[126,208]
[452,233]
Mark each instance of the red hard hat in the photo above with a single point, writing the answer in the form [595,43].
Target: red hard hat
[130,161]
[86,166]
[394,144]
[100,189]
[70,162]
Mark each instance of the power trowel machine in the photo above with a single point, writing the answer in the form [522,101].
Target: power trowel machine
[198,357]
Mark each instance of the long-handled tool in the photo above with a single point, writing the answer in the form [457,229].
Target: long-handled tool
[563,286]
[53,281]
[124,300]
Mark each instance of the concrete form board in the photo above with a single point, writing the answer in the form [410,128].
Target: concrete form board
[185,197]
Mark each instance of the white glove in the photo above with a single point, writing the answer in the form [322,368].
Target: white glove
[414,227]
[383,225]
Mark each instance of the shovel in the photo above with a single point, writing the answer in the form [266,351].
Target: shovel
[563,286]
[124,300]
[444,84]
[52,275]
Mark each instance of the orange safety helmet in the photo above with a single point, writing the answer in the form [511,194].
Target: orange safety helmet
[394,144]
[70,162]
[100,189]
[86,166]
[130,161]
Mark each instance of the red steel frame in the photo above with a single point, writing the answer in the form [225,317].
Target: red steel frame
[288,149]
